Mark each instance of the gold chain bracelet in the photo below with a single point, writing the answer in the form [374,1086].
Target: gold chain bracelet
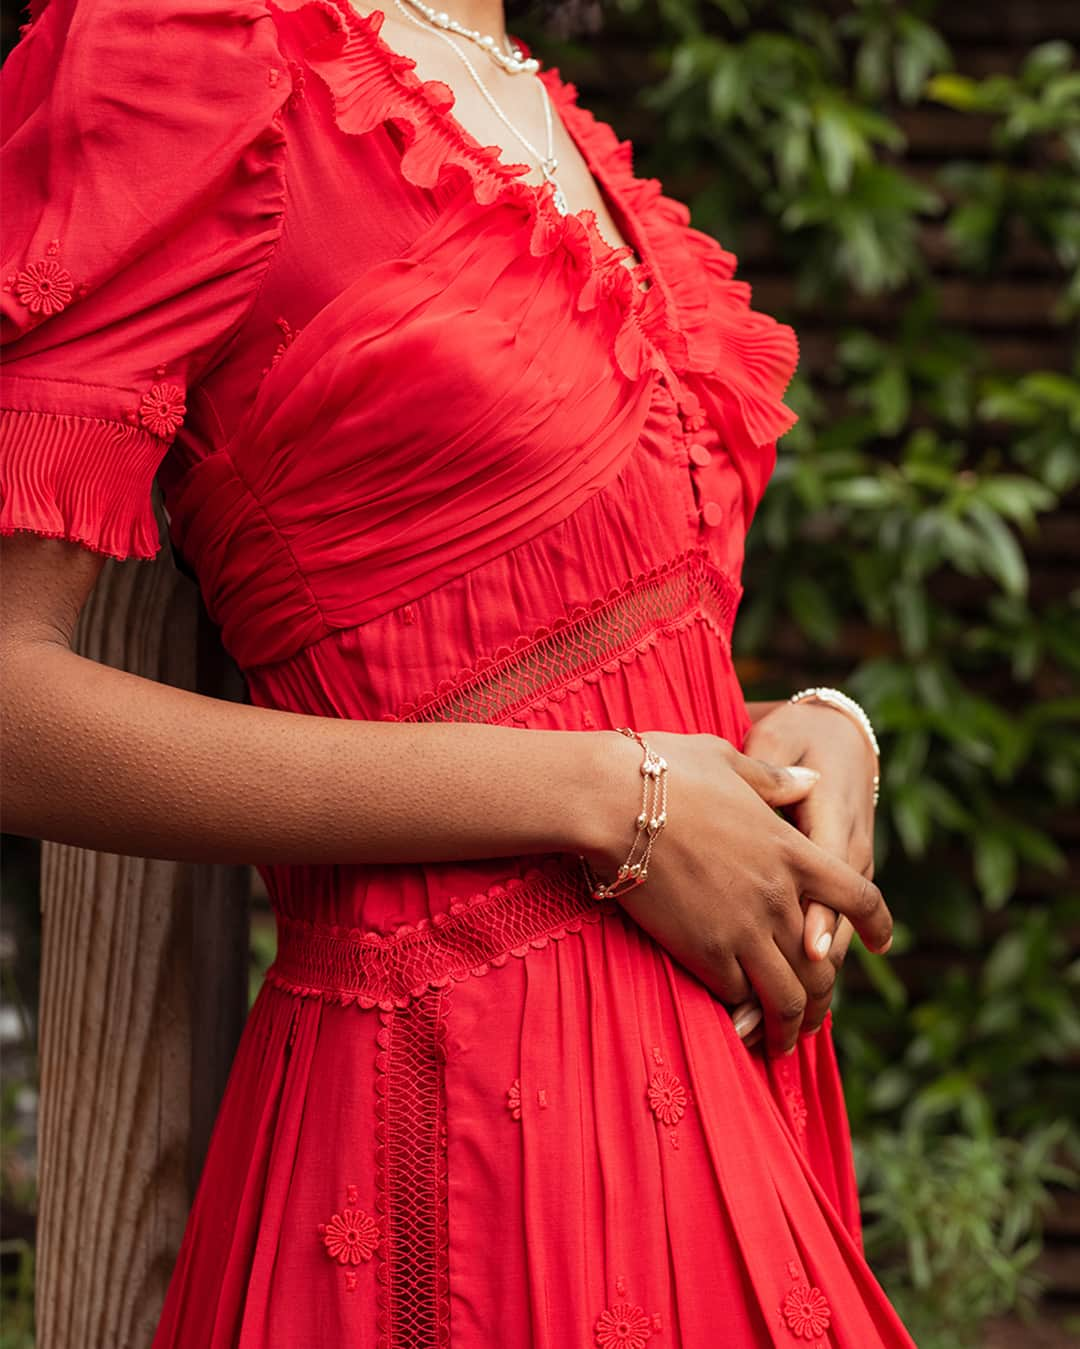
[650,821]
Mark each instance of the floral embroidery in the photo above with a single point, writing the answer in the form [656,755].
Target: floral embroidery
[289,335]
[350,1236]
[667,1097]
[162,409]
[513,1098]
[807,1312]
[622,1327]
[797,1106]
[44,287]
[296,74]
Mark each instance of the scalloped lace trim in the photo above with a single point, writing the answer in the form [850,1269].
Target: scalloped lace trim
[585,644]
[474,935]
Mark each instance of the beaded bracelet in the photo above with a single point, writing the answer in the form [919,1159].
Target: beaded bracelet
[844,703]
[650,821]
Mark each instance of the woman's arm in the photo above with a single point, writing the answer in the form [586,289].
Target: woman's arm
[104,759]
[108,760]
[759,710]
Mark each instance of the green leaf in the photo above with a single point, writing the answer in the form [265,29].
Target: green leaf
[1001,555]
[995,868]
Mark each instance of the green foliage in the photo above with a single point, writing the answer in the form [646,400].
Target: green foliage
[896,535]
[954,1225]
[17,1295]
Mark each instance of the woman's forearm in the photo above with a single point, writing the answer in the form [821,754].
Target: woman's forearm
[108,760]
[759,710]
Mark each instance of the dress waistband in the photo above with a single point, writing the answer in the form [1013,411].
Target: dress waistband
[372,969]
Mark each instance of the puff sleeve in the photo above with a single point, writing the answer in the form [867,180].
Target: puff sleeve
[142,161]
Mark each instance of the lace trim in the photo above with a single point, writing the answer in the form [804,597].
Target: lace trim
[585,644]
[369,969]
[413,1279]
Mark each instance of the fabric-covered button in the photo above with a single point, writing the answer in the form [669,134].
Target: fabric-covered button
[712,512]
[700,455]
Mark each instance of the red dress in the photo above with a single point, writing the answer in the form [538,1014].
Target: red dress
[434,454]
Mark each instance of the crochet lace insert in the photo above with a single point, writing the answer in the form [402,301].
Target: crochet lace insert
[586,643]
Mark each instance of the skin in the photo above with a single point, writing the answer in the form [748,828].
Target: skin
[107,760]
[110,761]
[838,815]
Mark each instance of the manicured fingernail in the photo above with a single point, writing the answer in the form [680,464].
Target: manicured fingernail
[821,946]
[746,1021]
[806,777]
[788,1052]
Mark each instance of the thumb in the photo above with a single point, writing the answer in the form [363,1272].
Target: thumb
[819,928]
[777,786]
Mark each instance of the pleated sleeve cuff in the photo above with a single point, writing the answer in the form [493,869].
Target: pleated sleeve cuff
[86,479]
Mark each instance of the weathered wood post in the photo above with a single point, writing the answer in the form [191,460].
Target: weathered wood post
[143,995]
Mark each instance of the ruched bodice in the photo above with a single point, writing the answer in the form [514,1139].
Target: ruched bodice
[434,452]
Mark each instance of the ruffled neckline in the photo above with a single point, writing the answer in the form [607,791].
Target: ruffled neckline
[370,83]
[692,323]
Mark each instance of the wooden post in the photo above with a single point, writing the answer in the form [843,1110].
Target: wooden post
[143,994]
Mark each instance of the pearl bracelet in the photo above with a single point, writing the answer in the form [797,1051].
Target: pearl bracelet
[650,820]
[843,703]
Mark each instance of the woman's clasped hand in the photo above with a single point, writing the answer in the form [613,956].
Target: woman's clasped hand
[730,880]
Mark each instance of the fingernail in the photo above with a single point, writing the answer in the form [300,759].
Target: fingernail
[746,1021]
[804,776]
[788,1052]
[821,946]
[883,949]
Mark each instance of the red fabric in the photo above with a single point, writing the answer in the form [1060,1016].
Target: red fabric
[433,453]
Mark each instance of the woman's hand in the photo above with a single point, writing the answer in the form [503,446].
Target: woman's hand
[838,815]
[728,874]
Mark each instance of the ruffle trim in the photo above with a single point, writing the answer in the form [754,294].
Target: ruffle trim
[370,84]
[352,966]
[747,355]
[85,479]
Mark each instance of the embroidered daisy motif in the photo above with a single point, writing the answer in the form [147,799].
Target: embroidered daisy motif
[162,409]
[667,1096]
[622,1327]
[350,1236]
[44,287]
[289,335]
[513,1098]
[807,1312]
[797,1106]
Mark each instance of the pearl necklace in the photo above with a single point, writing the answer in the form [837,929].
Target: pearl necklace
[516,63]
[548,163]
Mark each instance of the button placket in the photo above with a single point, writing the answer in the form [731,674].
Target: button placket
[695,431]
